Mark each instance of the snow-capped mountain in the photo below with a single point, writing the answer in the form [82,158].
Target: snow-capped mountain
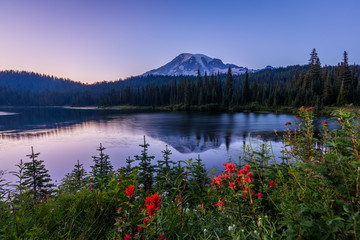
[189,64]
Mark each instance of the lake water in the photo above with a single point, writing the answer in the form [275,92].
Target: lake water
[65,135]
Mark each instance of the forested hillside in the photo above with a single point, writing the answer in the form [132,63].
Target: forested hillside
[310,84]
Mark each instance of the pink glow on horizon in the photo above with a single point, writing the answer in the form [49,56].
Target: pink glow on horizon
[92,41]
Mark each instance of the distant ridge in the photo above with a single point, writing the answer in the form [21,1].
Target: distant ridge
[189,64]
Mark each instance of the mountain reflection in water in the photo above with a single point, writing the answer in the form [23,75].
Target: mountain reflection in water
[64,135]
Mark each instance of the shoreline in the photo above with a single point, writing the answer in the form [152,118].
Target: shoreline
[325,111]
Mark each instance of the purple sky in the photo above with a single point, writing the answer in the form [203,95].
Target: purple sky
[88,41]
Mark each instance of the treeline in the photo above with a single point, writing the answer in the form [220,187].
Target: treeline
[292,86]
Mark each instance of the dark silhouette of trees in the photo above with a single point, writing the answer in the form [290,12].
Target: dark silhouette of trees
[294,86]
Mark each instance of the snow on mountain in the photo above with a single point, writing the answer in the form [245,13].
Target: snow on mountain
[189,64]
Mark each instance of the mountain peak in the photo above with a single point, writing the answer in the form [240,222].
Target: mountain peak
[189,64]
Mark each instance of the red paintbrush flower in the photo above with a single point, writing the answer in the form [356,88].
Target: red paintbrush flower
[130,191]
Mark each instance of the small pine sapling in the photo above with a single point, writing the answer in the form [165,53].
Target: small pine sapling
[37,178]
[146,170]
[101,169]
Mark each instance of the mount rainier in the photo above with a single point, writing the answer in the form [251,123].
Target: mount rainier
[189,64]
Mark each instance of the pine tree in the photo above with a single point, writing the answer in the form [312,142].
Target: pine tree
[327,95]
[206,90]
[145,168]
[254,90]
[36,177]
[314,81]
[228,89]
[163,173]
[199,178]
[346,79]
[187,93]
[246,89]
[78,174]
[345,94]
[101,169]
[129,169]
[19,187]
[199,92]
[2,185]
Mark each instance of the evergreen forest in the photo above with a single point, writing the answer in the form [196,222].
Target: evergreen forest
[292,86]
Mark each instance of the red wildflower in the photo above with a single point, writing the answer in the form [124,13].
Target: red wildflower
[127,237]
[288,123]
[252,192]
[247,168]
[296,116]
[146,220]
[162,237]
[153,204]
[242,172]
[229,167]
[232,185]
[244,195]
[226,176]
[139,229]
[156,200]
[118,209]
[302,108]
[238,180]
[220,203]
[151,209]
[130,191]
[260,195]
[250,175]
[247,179]
[178,199]
[217,180]
[271,184]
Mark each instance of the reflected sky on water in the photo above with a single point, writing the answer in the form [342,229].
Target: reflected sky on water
[65,135]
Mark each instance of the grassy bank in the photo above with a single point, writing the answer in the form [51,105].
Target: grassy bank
[256,108]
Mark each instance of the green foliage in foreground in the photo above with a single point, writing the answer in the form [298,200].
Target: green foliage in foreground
[311,192]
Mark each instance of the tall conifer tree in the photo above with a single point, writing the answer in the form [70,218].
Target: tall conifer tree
[228,88]
[246,89]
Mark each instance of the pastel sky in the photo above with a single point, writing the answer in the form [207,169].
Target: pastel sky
[88,40]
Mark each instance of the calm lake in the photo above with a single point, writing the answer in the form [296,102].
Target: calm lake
[65,135]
